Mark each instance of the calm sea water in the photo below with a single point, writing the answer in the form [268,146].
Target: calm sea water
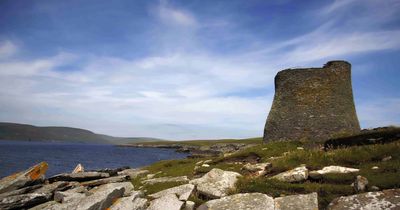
[63,157]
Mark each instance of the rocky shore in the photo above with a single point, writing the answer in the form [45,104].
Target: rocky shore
[197,151]
[113,189]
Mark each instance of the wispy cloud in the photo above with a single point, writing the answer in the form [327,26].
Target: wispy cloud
[182,88]
[7,48]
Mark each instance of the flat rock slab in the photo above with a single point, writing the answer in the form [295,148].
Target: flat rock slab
[248,201]
[332,170]
[133,173]
[297,202]
[23,201]
[295,175]
[386,199]
[183,192]
[166,179]
[103,196]
[22,179]
[80,177]
[216,183]
[133,202]
[98,182]
[170,202]
[70,195]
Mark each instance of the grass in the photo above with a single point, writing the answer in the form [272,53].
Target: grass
[285,156]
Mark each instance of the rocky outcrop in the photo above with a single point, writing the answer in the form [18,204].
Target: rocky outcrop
[182,192]
[374,136]
[65,195]
[248,201]
[297,202]
[386,199]
[312,104]
[295,175]
[216,183]
[22,179]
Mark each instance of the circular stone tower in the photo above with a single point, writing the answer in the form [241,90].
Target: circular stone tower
[312,104]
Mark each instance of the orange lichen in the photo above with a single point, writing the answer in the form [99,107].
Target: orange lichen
[37,171]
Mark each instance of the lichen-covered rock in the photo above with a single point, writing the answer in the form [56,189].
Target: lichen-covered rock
[23,201]
[360,184]
[80,177]
[132,202]
[313,103]
[98,182]
[295,175]
[22,179]
[166,179]
[386,199]
[70,195]
[297,202]
[103,196]
[170,202]
[248,201]
[133,172]
[258,169]
[216,183]
[182,191]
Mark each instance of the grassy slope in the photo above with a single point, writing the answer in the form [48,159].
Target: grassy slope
[14,131]
[328,188]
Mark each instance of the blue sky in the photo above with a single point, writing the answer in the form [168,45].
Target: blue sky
[187,69]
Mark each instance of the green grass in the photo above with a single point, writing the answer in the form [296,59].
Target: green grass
[328,187]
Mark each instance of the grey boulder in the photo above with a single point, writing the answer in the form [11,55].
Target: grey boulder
[170,202]
[248,201]
[183,192]
[295,175]
[297,202]
[216,183]
[386,199]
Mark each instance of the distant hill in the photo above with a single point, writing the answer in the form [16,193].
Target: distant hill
[14,131]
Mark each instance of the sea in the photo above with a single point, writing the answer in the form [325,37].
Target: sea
[17,156]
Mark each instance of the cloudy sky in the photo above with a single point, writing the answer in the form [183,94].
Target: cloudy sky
[187,69]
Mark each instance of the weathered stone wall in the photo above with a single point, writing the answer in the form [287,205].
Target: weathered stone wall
[312,104]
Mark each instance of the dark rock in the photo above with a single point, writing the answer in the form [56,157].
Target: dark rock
[380,136]
[80,177]
[21,191]
[98,182]
[133,173]
[112,172]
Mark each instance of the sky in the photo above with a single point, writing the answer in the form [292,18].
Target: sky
[178,70]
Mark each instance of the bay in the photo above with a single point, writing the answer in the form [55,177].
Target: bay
[16,156]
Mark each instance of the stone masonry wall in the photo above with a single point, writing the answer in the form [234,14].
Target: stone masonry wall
[312,104]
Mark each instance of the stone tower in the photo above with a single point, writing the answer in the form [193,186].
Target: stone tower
[312,104]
